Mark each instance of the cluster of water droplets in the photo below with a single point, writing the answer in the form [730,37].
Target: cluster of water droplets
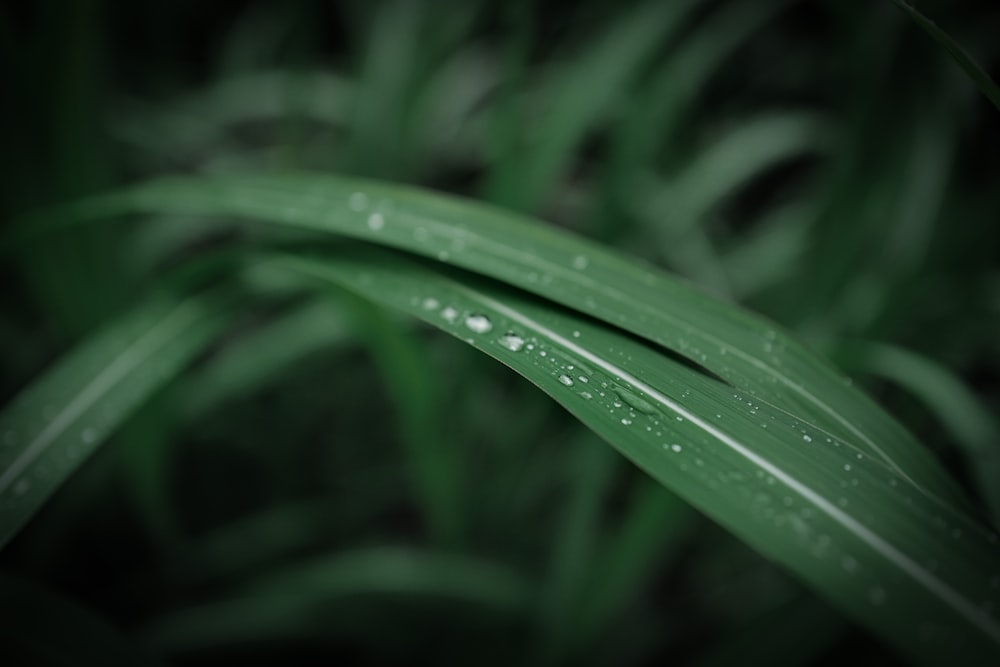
[624,405]
[376,214]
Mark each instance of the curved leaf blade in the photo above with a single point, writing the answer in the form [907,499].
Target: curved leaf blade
[742,348]
[842,520]
[54,424]
[978,75]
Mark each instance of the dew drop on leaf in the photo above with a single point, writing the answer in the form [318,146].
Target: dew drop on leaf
[511,341]
[478,323]
[566,380]
[376,222]
[358,201]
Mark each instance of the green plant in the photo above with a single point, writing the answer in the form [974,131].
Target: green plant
[724,408]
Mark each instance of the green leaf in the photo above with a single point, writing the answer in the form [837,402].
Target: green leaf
[583,93]
[978,75]
[55,423]
[969,422]
[788,456]
[302,598]
[745,350]
[921,574]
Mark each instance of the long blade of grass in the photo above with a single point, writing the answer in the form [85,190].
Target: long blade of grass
[745,350]
[842,520]
[584,93]
[975,429]
[964,60]
[54,424]
[303,598]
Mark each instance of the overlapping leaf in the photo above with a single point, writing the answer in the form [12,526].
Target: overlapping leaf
[743,349]
[919,572]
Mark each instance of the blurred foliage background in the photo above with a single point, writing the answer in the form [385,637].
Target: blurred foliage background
[822,162]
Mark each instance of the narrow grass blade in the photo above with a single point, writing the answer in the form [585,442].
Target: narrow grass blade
[747,351]
[657,117]
[586,90]
[194,124]
[54,424]
[731,161]
[588,477]
[841,519]
[274,346]
[974,428]
[302,599]
[432,458]
[978,75]
[655,526]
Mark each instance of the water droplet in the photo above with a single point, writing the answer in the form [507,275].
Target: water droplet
[576,334]
[587,395]
[580,262]
[847,467]
[636,401]
[566,380]
[877,595]
[430,303]
[358,201]
[807,438]
[511,341]
[478,323]
[676,447]
[443,255]
[584,379]
[376,222]
[88,435]
[626,421]
[449,314]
